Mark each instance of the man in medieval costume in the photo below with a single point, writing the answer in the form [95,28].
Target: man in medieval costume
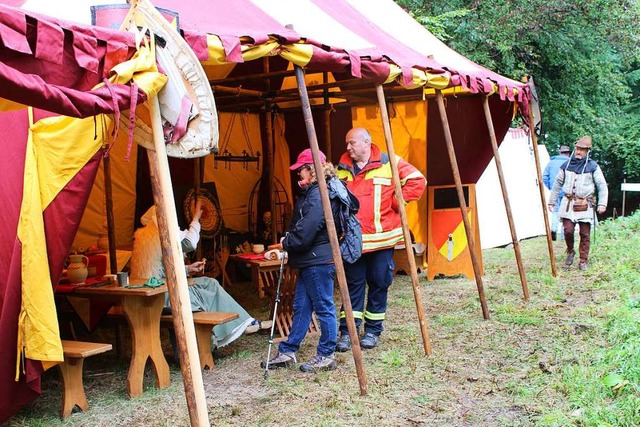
[581,180]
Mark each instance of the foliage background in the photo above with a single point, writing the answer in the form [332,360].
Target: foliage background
[584,57]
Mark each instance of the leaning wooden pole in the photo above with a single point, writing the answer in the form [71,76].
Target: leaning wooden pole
[463,204]
[424,329]
[505,196]
[176,277]
[333,235]
[111,224]
[534,142]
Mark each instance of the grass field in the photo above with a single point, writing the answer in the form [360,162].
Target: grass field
[568,357]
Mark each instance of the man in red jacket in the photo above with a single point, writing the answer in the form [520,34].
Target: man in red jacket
[367,172]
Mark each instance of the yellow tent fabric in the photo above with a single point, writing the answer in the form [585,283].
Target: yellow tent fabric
[45,176]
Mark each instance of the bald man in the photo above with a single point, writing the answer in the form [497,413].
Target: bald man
[367,172]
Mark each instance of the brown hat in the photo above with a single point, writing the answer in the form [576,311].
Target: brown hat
[564,149]
[584,142]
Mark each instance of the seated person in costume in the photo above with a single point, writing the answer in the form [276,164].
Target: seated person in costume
[205,293]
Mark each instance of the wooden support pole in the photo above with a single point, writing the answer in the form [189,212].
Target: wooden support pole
[424,329]
[269,160]
[333,236]
[534,142]
[327,116]
[463,204]
[176,277]
[111,224]
[505,196]
[624,195]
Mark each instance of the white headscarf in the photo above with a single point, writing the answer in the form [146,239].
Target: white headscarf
[149,215]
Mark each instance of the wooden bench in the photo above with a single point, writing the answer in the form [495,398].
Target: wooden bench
[71,371]
[204,321]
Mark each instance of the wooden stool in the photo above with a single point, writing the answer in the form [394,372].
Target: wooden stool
[71,371]
[204,321]
[402,262]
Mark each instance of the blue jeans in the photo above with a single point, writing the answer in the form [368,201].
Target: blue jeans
[314,293]
[375,270]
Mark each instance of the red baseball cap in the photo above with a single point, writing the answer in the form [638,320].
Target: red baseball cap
[306,158]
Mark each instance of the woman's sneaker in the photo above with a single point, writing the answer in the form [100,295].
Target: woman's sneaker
[319,363]
[282,360]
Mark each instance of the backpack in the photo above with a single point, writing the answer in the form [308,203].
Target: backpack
[351,236]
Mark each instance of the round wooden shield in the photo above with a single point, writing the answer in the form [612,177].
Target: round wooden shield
[211,219]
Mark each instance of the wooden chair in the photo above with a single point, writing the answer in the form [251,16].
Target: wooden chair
[71,371]
[284,318]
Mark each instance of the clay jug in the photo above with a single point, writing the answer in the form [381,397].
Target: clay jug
[103,241]
[77,271]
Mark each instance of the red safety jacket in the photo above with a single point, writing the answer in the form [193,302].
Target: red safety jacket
[373,186]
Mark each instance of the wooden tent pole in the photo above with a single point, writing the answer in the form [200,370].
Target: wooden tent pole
[333,236]
[111,225]
[463,205]
[534,142]
[424,329]
[505,196]
[176,277]
[327,117]
[269,158]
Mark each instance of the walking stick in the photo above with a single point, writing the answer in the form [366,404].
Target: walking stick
[275,314]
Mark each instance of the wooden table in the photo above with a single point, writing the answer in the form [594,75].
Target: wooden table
[142,308]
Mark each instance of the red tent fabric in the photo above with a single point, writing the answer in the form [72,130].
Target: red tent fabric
[50,65]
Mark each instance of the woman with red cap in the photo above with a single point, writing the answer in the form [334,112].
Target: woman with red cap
[309,250]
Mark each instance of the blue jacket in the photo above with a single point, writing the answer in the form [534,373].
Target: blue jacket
[307,240]
[551,172]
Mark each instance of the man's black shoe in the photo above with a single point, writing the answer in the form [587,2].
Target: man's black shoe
[344,343]
[369,340]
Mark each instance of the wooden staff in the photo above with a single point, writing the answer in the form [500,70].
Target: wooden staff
[534,142]
[176,277]
[463,204]
[403,218]
[111,226]
[505,196]
[331,228]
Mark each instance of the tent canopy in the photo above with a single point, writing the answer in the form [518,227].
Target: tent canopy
[246,48]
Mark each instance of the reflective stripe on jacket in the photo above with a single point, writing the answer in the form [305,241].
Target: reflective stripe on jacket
[373,186]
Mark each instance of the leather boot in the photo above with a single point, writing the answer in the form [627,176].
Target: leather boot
[569,260]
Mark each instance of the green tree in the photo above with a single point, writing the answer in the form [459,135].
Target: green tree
[583,55]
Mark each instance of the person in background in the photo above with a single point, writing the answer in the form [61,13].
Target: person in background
[367,172]
[580,179]
[549,177]
[205,293]
[308,247]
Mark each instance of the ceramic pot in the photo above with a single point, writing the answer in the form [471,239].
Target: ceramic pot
[77,270]
[103,241]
